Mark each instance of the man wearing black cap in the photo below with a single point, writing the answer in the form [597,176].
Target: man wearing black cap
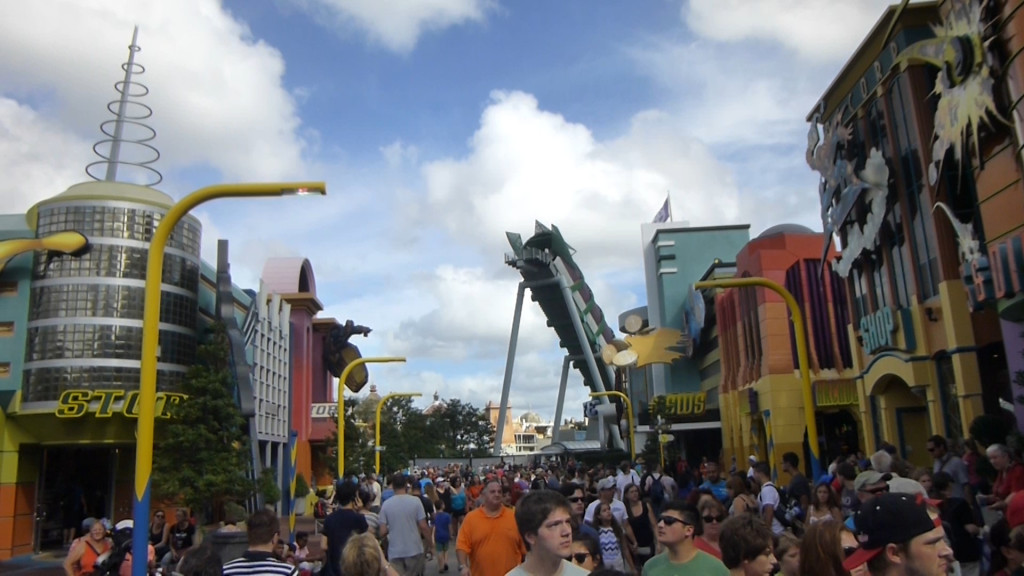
[898,537]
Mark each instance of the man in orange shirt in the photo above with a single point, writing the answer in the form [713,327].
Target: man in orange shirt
[489,543]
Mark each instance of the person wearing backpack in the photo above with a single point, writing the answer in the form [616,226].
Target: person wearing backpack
[769,498]
[655,488]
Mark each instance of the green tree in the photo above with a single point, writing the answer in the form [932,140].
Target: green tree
[201,454]
[463,430]
[358,445]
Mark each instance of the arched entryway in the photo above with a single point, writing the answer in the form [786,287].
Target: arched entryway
[904,412]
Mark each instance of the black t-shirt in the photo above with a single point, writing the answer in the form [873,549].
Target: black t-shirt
[181,538]
[338,526]
[428,507]
[956,514]
[799,487]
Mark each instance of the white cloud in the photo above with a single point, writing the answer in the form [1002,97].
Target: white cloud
[526,163]
[216,92]
[817,30]
[398,24]
[398,153]
[38,158]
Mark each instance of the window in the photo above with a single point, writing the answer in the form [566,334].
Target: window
[8,289]
[918,196]
[5,370]
[6,329]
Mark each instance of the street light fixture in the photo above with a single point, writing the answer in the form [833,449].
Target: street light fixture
[629,418]
[151,334]
[800,331]
[341,404]
[376,443]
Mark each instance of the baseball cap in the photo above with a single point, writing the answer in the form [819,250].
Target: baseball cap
[888,519]
[869,477]
[606,484]
[752,458]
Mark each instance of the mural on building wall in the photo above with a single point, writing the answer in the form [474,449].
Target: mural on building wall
[960,50]
[68,242]
[841,186]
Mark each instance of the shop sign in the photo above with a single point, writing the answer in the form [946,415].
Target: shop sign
[835,393]
[999,276]
[105,403]
[325,410]
[686,404]
[877,329]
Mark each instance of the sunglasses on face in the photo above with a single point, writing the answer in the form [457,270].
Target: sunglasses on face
[715,519]
[579,557]
[848,551]
[576,499]
[672,520]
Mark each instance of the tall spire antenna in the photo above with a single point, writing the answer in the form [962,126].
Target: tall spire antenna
[128,111]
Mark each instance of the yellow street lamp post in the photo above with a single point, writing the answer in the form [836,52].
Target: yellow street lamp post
[151,334]
[629,418]
[341,403]
[800,330]
[376,443]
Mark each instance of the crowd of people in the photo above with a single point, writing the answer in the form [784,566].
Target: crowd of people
[868,515]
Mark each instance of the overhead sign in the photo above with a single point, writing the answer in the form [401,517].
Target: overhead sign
[325,410]
[686,404]
[1000,275]
[877,330]
[105,403]
[835,393]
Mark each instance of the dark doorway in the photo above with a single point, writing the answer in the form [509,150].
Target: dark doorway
[838,435]
[75,483]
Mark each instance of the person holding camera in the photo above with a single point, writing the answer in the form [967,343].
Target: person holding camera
[81,560]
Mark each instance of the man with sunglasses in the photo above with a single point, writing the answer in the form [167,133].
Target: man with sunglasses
[545,525]
[577,506]
[678,525]
[868,484]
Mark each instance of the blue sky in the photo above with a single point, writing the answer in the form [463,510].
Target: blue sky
[438,125]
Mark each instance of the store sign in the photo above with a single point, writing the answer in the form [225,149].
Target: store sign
[835,393]
[999,276]
[877,329]
[326,410]
[686,404]
[105,403]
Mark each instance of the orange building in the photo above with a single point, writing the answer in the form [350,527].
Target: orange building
[761,395]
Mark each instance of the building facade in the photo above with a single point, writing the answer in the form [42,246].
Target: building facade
[916,180]
[685,391]
[761,390]
[70,345]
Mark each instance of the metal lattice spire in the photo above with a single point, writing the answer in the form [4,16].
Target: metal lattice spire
[129,113]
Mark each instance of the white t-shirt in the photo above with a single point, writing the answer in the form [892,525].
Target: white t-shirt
[622,480]
[618,511]
[566,569]
[769,496]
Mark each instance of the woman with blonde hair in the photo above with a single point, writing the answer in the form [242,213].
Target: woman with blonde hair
[362,556]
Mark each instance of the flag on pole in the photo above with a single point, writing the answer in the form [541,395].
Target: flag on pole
[665,214]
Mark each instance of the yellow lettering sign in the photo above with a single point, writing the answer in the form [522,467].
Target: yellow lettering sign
[104,403]
[686,404]
[835,393]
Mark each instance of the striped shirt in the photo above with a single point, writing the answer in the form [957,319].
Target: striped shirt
[255,563]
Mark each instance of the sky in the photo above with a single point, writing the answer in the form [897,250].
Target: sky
[439,125]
